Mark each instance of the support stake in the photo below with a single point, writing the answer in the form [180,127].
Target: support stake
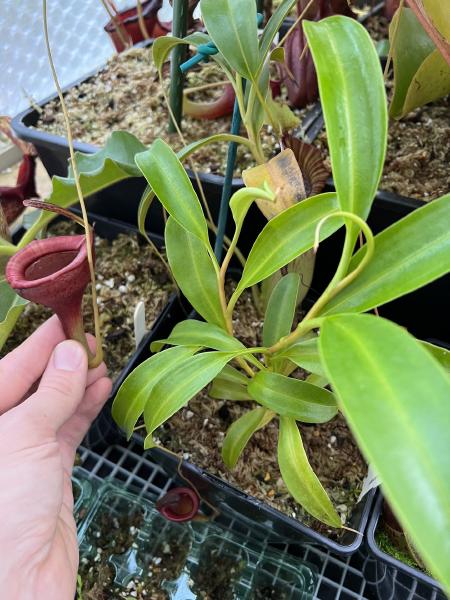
[179,53]
[228,181]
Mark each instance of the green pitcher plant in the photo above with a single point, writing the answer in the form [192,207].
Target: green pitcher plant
[393,390]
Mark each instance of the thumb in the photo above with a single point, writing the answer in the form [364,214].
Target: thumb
[62,386]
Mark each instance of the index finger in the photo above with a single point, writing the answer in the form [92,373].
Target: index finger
[22,367]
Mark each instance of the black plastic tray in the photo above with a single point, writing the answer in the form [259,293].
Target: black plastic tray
[392,579]
[225,496]
[121,200]
[423,312]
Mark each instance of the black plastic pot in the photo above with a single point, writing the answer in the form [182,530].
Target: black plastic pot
[231,502]
[392,579]
[121,200]
[228,500]
[259,516]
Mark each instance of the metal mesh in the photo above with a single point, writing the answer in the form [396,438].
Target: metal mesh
[78,42]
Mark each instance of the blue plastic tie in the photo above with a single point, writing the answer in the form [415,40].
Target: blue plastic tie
[204,51]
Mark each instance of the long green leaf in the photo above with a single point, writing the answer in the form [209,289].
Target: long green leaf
[97,171]
[134,392]
[299,477]
[231,24]
[185,381]
[182,155]
[442,355]
[409,254]
[11,307]
[226,390]
[288,235]
[292,397]
[353,100]
[407,54]
[273,26]
[281,309]
[198,333]
[304,354]
[395,397]
[194,272]
[241,431]
[170,182]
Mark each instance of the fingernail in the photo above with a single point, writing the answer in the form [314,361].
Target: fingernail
[68,356]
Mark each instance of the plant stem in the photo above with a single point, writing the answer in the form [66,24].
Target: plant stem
[205,86]
[304,327]
[227,243]
[179,53]
[118,25]
[4,229]
[141,20]
[97,359]
[253,136]
[394,39]
[8,250]
[296,22]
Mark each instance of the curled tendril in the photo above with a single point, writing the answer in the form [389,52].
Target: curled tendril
[370,247]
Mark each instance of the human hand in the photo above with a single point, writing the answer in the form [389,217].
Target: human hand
[39,436]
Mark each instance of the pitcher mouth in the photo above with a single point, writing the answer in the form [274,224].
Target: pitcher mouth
[179,504]
[44,260]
